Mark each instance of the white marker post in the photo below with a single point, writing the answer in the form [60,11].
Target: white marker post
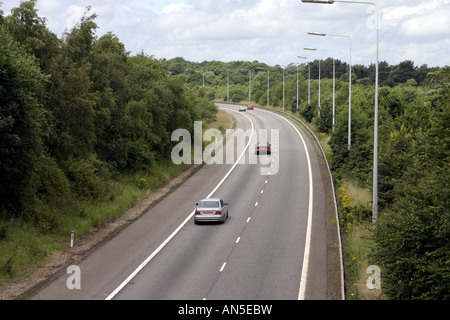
[71,239]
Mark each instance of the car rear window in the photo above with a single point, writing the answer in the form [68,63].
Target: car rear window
[208,204]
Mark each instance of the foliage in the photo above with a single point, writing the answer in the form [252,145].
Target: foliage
[76,115]
[22,123]
[413,235]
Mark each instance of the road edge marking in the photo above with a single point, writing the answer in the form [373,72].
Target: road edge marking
[305,265]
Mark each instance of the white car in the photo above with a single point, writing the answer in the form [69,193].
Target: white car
[242,108]
[211,210]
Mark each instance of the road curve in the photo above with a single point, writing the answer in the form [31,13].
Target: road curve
[276,225]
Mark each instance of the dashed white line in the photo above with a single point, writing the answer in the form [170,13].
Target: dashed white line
[248,219]
[237,240]
[223,267]
[174,233]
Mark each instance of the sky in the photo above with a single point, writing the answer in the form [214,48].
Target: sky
[269,31]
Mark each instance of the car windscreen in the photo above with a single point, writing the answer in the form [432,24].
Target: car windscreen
[209,204]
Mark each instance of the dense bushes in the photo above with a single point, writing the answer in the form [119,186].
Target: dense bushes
[77,113]
[85,131]
[413,235]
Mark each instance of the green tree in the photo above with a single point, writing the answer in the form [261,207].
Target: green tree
[22,123]
[413,237]
[31,31]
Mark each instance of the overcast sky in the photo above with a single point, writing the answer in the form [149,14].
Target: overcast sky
[269,31]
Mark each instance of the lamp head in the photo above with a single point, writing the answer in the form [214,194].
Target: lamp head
[319,1]
[317,34]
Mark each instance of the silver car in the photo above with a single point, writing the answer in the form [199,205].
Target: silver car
[211,210]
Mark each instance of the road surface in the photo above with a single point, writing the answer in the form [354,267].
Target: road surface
[274,245]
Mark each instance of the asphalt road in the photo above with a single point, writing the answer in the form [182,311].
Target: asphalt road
[273,245]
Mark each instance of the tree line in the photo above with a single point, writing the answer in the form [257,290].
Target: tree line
[232,80]
[78,111]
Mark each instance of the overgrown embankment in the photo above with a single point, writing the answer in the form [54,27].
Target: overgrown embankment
[85,132]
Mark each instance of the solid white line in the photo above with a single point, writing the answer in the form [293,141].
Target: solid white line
[173,234]
[304,274]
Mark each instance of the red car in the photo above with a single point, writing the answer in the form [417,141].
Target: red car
[250,107]
[263,147]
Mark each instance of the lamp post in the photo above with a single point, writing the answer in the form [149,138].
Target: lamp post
[284,67]
[249,85]
[349,143]
[375,135]
[314,49]
[203,73]
[333,85]
[228,84]
[309,79]
[268,81]
[296,64]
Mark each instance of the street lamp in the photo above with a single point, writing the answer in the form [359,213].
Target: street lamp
[228,84]
[249,85]
[319,1]
[314,49]
[375,135]
[309,79]
[333,84]
[284,67]
[204,76]
[268,81]
[349,82]
[296,64]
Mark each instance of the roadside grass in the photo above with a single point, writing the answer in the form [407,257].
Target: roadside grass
[24,245]
[360,246]
[223,121]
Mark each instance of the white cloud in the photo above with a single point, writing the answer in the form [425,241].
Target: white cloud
[74,14]
[433,25]
[174,7]
[271,31]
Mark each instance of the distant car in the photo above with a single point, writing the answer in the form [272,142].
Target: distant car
[211,210]
[250,107]
[242,108]
[263,147]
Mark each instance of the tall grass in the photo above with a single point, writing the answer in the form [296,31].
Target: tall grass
[360,246]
